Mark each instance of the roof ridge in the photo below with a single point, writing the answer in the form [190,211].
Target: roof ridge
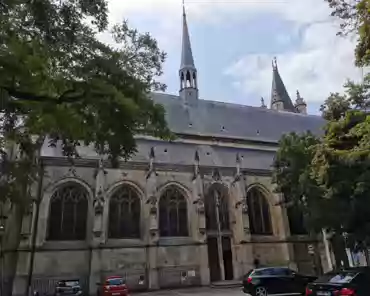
[231,104]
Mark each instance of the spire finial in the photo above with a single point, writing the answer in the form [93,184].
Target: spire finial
[274,63]
[183,7]
[298,94]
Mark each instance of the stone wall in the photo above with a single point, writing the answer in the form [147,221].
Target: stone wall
[150,262]
[270,254]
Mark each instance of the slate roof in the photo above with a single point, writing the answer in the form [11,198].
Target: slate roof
[226,120]
[215,119]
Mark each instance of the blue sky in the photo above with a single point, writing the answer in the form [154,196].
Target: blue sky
[234,42]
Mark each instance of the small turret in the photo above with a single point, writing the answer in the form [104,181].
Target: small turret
[300,104]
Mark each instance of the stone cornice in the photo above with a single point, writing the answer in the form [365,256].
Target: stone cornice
[84,246]
[204,170]
[252,145]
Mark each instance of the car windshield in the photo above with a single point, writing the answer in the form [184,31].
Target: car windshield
[115,282]
[69,283]
[337,278]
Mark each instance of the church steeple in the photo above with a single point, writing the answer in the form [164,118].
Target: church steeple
[188,72]
[280,99]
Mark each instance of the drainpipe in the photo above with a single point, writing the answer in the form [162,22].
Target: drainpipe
[327,251]
[35,227]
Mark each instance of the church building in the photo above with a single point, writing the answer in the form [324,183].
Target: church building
[194,211]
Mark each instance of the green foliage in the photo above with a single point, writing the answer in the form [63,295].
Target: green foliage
[355,18]
[292,175]
[341,164]
[332,172]
[58,80]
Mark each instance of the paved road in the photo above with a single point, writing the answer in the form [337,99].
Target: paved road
[203,291]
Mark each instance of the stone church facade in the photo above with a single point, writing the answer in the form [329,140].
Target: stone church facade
[193,211]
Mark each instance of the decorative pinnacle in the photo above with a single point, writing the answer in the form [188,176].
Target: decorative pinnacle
[263,102]
[151,153]
[196,156]
[238,160]
[299,100]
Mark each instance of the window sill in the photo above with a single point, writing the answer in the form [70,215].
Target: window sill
[264,238]
[176,241]
[124,242]
[64,245]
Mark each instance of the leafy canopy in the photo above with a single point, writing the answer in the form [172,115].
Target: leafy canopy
[332,172]
[57,79]
[292,176]
[355,18]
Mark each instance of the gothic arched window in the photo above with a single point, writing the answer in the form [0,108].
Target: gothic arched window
[296,221]
[124,213]
[173,214]
[68,213]
[259,212]
[216,201]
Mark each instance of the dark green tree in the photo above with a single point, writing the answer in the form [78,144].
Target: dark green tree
[355,18]
[328,178]
[293,179]
[341,164]
[59,82]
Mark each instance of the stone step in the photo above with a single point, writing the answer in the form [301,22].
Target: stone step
[226,284]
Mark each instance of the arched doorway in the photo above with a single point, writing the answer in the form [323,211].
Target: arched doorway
[218,233]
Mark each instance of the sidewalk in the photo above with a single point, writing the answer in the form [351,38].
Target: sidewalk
[197,291]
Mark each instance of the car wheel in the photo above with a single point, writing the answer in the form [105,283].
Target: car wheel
[260,291]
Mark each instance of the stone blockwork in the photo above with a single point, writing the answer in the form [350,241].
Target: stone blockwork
[152,261]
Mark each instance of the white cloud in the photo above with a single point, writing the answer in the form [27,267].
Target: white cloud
[318,66]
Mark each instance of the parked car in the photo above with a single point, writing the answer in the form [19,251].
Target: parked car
[112,286]
[347,282]
[68,287]
[275,280]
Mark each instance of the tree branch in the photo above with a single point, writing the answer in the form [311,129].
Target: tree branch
[26,96]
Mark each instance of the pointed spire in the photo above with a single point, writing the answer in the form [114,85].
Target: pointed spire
[188,72]
[187,59]
[280,99]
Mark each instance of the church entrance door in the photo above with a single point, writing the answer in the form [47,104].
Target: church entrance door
[218,234]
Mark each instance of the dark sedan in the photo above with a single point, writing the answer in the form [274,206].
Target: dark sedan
[275,281]
[68,288]
[347,282]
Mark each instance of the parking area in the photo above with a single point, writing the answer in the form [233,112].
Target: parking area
[201,291]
